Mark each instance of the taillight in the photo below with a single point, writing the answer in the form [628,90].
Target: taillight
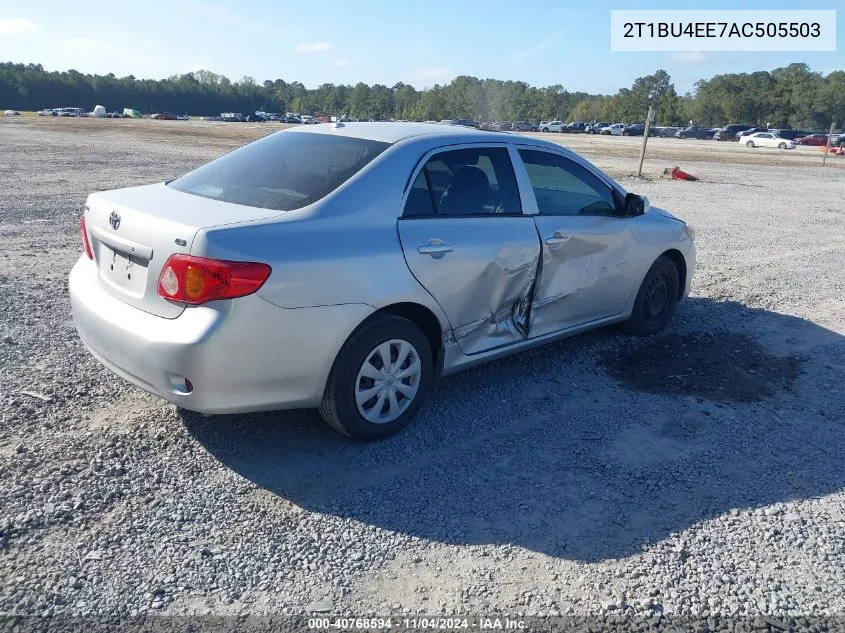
[85,243]
[197,279]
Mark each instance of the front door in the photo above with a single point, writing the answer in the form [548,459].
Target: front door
[589,253]
[466,241]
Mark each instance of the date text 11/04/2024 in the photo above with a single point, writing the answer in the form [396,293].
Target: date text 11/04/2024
[722,29]
[418,623]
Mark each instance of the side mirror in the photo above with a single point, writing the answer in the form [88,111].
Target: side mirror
[635,205]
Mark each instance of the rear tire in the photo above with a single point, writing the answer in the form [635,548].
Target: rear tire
[750,144]
[545,129]
[656,299]
[396,388]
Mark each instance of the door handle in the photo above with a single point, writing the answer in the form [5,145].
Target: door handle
[557,239]
[434,249]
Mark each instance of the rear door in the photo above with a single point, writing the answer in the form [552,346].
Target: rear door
[590,254]
[467,242]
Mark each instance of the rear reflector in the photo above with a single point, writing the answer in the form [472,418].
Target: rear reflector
[196,280]
[86,245]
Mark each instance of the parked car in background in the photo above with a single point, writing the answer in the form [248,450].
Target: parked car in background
[464,122]
[183,117]
[164,116]
[700,133]
[327,308]
[811,139]
[615,129]
[792,135]
[576,127]
[232,117]
[68,112]
[749,131]
[552,126]
[595,128]
[523,126]
[291,119]
[768,139]
[729,132]
[667,132]
[500,126]
[637,129]
[254,118]
[12,113]
[46,112]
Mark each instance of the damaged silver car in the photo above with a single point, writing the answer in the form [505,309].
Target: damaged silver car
[347,266]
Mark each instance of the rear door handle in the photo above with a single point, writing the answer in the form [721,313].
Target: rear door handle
[434,248]
[557,239]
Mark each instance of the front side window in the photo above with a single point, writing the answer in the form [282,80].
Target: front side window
[282,171]
[466,182]
[562,187]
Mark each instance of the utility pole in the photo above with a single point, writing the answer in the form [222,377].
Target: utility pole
[827,145]
[649,118]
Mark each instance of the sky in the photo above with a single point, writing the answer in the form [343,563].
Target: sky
[541,42]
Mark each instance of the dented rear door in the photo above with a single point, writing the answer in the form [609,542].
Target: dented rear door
[481,272]
[476,255]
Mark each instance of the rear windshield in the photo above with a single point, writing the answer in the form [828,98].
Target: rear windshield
[282,171]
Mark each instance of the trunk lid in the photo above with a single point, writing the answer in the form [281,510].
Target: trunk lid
[134,230]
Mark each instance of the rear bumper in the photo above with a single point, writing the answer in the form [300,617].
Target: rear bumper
[241,355]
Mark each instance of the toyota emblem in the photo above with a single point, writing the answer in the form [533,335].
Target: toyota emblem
[114,220]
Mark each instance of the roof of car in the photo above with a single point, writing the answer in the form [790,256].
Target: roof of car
[388,132]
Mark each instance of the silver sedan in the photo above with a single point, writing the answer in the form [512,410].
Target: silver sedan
[347,266]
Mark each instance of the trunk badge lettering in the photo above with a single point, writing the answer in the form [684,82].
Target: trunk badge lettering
[114,220]
[181,242]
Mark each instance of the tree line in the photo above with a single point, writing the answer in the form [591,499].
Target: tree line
[793,96]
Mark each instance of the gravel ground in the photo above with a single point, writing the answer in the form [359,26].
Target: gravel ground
[695,473]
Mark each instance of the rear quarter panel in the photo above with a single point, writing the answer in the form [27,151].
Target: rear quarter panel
[343,249]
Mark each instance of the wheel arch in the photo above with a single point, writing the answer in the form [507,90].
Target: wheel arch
[421,316]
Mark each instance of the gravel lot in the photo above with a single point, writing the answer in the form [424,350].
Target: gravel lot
[696,473]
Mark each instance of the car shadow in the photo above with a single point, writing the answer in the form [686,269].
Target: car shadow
[586,449]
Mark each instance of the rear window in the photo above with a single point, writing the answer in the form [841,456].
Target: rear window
[282,171]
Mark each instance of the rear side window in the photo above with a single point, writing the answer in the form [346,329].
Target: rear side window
[465,182]
[282,171]
[419,200]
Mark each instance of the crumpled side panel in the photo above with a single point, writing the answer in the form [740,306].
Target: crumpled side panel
[502,296]
[588,277]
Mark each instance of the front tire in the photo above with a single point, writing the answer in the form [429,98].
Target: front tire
[545,130]
[379,380]
[750,144]
[781,145]
[656,299]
